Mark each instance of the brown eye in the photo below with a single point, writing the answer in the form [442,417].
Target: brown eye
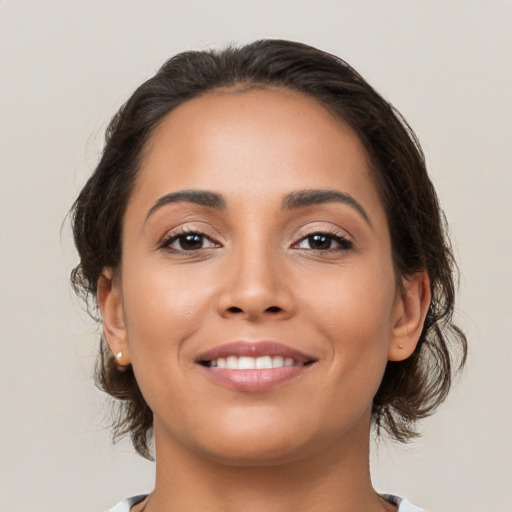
[324,242]
[321,242]
[188,242]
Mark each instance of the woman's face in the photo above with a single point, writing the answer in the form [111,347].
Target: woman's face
[255,236]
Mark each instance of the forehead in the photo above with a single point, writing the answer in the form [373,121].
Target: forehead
[253,144]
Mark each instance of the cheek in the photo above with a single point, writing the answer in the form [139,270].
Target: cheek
[353,298]
[163,307]
[352,309]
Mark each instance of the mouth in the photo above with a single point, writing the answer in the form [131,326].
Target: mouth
[259,366]
[253,363]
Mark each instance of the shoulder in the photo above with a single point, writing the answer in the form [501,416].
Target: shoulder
[402,504]
[127,504]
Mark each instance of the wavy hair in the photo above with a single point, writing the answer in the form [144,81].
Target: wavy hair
[410,389]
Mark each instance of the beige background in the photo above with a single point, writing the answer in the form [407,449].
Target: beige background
[67,65]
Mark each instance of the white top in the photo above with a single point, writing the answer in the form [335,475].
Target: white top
[403,504]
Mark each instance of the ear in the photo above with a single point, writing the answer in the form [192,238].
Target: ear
[109,298]
[409,314]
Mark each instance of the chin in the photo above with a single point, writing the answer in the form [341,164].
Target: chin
[256,442]
[260,454]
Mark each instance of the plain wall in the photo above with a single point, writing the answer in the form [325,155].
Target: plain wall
[66,66]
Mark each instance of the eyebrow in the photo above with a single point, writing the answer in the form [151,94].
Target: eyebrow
[305,198]
[292,201]
[200,197]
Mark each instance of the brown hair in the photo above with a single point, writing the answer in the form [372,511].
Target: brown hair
[410,389]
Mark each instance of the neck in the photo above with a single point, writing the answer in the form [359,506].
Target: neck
[332,479]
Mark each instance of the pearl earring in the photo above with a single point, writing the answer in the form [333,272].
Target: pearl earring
[119,355]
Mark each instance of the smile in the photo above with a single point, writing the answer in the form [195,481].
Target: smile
[253,363]
[260,366]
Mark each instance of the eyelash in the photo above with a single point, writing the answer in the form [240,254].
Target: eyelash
[181,234]
[344,243]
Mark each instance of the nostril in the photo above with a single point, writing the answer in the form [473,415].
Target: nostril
[271,309]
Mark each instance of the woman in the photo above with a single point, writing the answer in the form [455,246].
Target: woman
[274,279]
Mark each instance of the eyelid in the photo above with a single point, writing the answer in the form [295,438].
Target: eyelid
[344,239]
[312,228]
[341,236]
[184,230]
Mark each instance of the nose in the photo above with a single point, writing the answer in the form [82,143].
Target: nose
[255,287]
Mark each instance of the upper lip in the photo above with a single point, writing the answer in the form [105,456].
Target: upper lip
[254,349]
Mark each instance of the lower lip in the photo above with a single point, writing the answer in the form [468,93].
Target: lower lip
[255,380]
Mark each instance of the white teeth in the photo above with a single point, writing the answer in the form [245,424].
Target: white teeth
[232,362]
[251,363]
[246,363]
[264,362]
[277,361]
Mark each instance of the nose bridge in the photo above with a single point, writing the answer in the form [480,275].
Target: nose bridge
[254,284]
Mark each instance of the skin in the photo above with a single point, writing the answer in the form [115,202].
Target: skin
[302,445]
